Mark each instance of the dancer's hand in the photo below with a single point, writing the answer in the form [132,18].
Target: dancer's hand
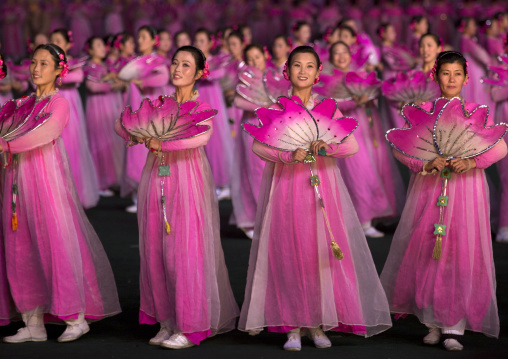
[299,155]
[153,143]
[361,100]
[316,146]
[135,140]
[439,163]
[459,165]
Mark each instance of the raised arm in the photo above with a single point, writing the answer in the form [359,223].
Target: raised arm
[75,76]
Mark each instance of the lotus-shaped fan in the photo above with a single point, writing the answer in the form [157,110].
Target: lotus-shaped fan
[410,87]
[398,58]
[360,84]
[140,67]
[498,74]
[261,88]
[17,120]
[333,86]
[166,120]
[294,126]
[449,130]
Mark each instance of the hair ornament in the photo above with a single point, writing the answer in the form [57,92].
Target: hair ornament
[267,53]
[206,71]
[118,42]
[63,63]
[2,73]
[285,71]
[69,33]
[157,40]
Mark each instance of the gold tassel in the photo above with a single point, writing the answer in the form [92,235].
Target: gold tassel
[437,248]
[337,252]
[14,221]
[168,228]
[376,145]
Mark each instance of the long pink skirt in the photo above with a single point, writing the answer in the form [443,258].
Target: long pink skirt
[461,285]
[184,281]
[78,149]
[293,279]
[55,262]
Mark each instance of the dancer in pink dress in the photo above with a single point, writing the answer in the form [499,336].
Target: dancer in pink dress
[181,39]
[74,135]
[440,266]
[302,34]
[219,149]
[371,176]
[184,280]
[419,26]
[294,280]
[147,75]
[164,50]
[103,106]
[56,266]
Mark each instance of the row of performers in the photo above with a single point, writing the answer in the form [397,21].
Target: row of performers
[310,267]
[117,78]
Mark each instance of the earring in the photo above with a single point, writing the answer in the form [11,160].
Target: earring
[60,82]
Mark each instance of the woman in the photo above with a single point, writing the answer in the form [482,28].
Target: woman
[302,33]
[429,47]
[419,26]
[184,281]
[219,149]
[55,263]
[294,281]
[103,106]
[75,134]
[280,50]
[368,175]
[147,74]
[457,291]
[247,167]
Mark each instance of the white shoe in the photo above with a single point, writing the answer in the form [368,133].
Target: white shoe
[294,342]
[224,193]
[372,232]
[74,332]
[319,338]
[162,335]
[248,232]
[106,193]
[28,334]
[177,341]
[452,344]
[433,337]
[132,209]
[502,237]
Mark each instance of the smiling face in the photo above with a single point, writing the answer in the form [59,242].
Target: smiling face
[145,42]
[202,42]
[303,70]
[333,37]
[256,58]
[347,37]
[422,27]
[58,40]
[183,70]
[42,68]
[429,49]
[341,57]
[451,78]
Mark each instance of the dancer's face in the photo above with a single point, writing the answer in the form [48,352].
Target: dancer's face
[303,70]
[98,49]
[43,69]
[145,42]
[429,49]
[40,39]
[280,48]
[127,49]
[256,58]
[202,42]
[58,40]
[451,78]
[182,39]
[235,47]
[333,37]
[341,57]
[183,70]
[304,34]
[390,34]
[165,42]
[422,27]
[347,37]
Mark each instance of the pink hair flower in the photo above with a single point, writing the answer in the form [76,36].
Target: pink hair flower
[206,71]
[65,67]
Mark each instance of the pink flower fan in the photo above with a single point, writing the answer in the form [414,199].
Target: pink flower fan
[165,119]
[333,86]
[410,87]
[498,74]
[140,67]
[261,88]
[449,130]
[18,118]
[359,84]
[293,126]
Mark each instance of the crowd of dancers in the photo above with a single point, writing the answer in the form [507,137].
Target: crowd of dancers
[116,59]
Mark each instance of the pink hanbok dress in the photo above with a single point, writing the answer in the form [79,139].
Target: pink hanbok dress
[294,280]
[75,139]
[103,107]
[184,281]
[54,261]
[459,289]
